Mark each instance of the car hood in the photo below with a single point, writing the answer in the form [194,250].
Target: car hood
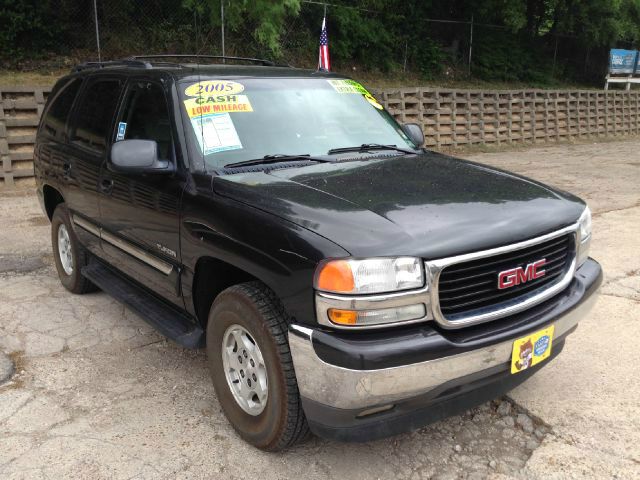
[428,205]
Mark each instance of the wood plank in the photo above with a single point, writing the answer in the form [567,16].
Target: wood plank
[22,121]
[23,89]
[21,139]
[21,156]
[23,172]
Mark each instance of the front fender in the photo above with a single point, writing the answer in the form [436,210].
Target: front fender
[279,253]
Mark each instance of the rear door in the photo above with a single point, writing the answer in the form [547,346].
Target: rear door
[85,152]
[140,212]
[51,163]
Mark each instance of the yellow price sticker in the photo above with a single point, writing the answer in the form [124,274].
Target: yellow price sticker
[213,87]
[217,104]
[348,86]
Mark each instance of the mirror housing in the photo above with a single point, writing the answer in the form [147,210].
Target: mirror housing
[414,132]
[137,156]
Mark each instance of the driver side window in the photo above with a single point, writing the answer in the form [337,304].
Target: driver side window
[146,117]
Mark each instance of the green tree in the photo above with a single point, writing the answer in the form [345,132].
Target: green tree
[28,28]
[264,19]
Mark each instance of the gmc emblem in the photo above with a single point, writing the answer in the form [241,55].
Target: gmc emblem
[516,276]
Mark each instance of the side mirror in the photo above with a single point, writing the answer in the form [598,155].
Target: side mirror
[137,156]
[414,132]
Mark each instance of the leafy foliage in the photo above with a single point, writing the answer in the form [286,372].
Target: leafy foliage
[264,18]
[27,26]
[535,41]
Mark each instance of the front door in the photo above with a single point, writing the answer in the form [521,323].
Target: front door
[140,212]
[83,155]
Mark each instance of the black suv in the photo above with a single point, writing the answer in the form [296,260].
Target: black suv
[342,279]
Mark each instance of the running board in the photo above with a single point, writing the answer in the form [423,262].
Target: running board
[168,320]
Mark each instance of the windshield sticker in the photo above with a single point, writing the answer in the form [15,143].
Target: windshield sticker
[217,104]
[213,87]
[122,129]
[348,86]
[216,133]
[372,100]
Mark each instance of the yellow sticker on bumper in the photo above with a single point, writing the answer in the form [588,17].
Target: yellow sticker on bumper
[531,350]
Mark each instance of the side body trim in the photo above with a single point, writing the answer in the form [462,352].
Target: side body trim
[125,246]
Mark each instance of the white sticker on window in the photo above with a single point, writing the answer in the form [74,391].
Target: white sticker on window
[216,133]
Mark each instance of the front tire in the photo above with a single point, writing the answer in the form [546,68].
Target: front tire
[69,255]
[251,367]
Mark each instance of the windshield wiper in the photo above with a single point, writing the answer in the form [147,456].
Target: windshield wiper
[276,158]
[369,146]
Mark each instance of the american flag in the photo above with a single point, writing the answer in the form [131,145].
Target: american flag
[323,57]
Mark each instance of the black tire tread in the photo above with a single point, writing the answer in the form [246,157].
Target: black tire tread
[276,320]
[83,285]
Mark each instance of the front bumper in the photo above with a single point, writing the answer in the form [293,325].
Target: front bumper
[417,376]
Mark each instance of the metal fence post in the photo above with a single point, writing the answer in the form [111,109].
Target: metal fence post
[470,43]
[555,54]
[222,25]
[95,17]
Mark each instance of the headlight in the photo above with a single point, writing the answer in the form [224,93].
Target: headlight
[374,275]
[584,236]
[585,224]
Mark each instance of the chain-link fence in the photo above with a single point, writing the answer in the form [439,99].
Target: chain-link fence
[61,33]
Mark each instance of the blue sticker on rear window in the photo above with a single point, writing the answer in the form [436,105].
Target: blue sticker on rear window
[122,129]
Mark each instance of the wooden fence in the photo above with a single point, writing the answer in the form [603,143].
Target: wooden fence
[449,118]
[452,118]
[20,110]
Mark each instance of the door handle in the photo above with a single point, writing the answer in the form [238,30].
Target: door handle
[106,186]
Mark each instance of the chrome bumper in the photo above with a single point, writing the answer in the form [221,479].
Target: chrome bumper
[359,389]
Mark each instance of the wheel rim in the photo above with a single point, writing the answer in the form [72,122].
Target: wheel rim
[64,249]
[245,370]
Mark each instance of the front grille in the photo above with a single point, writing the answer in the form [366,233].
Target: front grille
[471,287]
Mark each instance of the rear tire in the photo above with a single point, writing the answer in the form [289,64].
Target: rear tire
[253,311]
[69,255]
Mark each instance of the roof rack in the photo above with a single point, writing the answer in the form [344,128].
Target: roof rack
[127,62]
[145,61]
[266,63]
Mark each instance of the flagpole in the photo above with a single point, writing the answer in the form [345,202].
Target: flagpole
[319,51]
[324,19]
[323,51]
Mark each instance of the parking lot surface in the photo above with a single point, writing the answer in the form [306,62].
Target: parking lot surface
[98,394]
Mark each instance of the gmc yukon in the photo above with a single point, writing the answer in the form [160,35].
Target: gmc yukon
[342,279]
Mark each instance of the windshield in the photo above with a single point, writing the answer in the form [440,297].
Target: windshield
[231,121]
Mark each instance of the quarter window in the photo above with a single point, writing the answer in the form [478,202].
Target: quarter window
[55,119]
[95,114]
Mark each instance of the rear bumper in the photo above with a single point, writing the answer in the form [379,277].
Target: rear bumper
[425,375]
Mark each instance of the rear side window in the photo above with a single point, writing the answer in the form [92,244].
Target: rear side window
[55,119]
[95,114]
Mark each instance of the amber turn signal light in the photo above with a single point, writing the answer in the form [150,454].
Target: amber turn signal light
[336,276]
[343,317]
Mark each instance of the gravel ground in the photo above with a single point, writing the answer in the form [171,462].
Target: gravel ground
[98,394]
